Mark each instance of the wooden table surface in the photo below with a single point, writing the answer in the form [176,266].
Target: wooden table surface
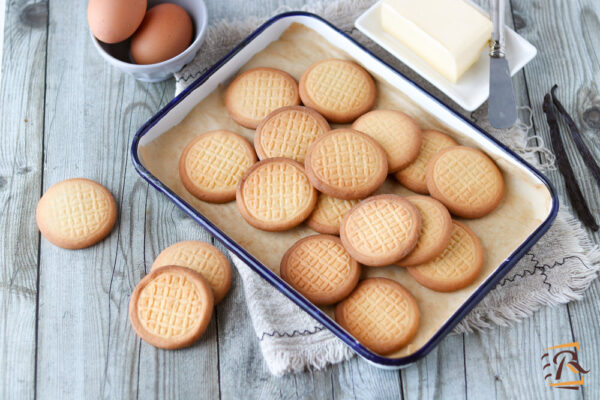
[64,330]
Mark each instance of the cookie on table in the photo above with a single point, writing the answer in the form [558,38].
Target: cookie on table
[287,132]
[340,90]
[171,307]
[436,229]
[458,265]
[381,314]
[346,164]
[76,213]
[466,181]
[275,194]
[381,230]
[212,164]
[255,93]
[203,258]
[413,176]
[320,269]
[328,213]
[396,132]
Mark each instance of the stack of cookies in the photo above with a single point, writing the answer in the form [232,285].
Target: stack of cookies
[299,169]
[171,307]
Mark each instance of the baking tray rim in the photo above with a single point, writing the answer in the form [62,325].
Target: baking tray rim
[265,273]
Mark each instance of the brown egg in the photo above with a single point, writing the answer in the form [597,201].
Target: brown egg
[165,32]
[113,21]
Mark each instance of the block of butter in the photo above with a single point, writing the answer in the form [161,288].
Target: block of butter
[448,34]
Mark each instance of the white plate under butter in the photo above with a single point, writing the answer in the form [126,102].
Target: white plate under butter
[472,89]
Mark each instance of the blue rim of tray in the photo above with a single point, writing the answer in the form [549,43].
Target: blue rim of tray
[283,287]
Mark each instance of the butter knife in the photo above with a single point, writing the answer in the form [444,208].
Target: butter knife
[502,109]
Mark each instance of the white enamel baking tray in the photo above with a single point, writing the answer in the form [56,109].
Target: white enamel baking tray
[225,69]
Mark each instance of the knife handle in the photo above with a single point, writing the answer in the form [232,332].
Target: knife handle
[497,42]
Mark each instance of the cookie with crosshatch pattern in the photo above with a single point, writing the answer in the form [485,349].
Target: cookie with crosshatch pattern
[171,307]
[381,230]
[413,176]
[212,164]
[287,132]
[320,269]
[381,314]
[340,90]
[76,213]
[466,181]
[346,164]
[203,258]
[275,195]
[255,93]
[458,265]
[397,133]
[328,214]
[436,228]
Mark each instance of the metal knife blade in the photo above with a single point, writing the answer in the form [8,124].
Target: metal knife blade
[502,109]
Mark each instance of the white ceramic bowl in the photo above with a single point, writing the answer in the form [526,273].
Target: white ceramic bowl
[119,56]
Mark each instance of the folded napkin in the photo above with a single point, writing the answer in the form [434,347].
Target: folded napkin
[556,270]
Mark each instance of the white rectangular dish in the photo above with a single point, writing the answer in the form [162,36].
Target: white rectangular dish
[291,41]
[472,89]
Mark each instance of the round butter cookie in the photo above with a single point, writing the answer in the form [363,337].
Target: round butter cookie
[171,307]
[396,132]
[413,176]
[203,258]
[275,194]
[328,214]
[436,228]
[211,165]
[338,89]
[257,92]
[287,132]
[458,265]
[381,314]
[76,213]
[346,164]
[466,181]
[381,230]
[320,269]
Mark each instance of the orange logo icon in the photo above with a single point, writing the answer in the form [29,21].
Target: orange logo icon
[560,377]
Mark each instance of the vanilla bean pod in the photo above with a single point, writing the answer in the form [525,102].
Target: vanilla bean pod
[573,190]
[584,150]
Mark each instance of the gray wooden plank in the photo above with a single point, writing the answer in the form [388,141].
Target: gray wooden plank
[134,368]
[429,378]
[506,363]
[21,126]
[566,35]
[186,373]
[83,137]
[119,358]
[583,104]
[357,379]
[86,345]
[585,320]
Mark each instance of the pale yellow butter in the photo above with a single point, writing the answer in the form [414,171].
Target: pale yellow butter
[448,34]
